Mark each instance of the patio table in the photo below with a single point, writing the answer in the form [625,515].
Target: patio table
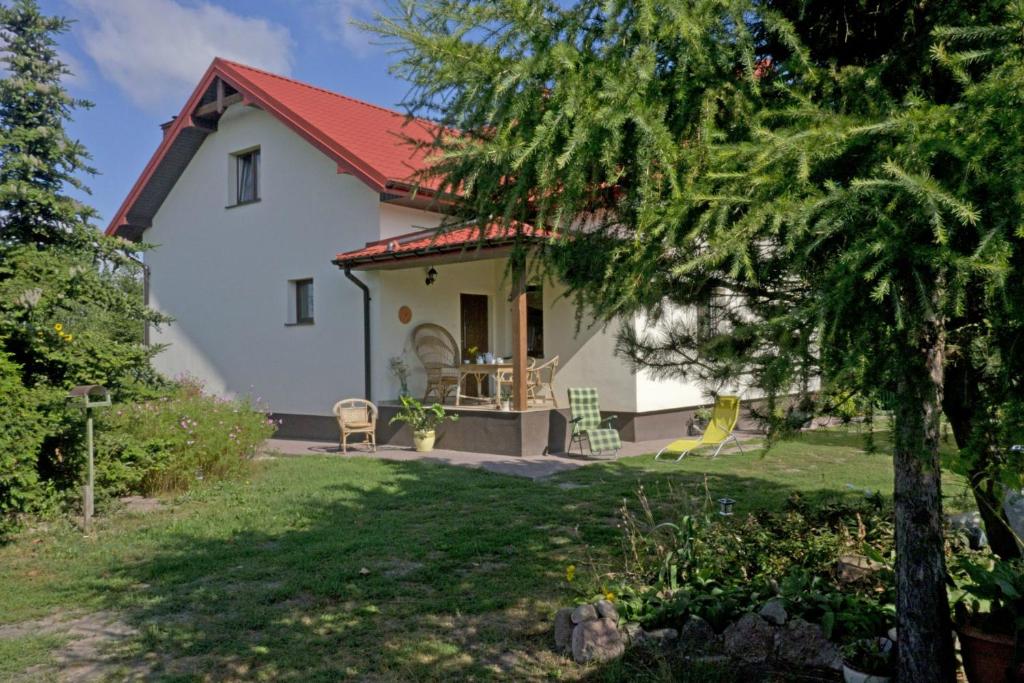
[481,371]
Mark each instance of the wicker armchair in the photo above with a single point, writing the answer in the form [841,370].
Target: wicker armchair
[356,416]
[439,354]
[540,381]
[504,380]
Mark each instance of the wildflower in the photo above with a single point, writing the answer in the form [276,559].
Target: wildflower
[570,573]
[609,596]
[69,337]
[58,327]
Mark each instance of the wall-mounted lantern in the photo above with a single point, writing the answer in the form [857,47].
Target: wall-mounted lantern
[725,506]
[431,276]
[87,397]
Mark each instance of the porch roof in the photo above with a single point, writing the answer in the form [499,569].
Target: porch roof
[438,242]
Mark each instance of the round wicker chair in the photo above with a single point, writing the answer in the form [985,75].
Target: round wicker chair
[439,354]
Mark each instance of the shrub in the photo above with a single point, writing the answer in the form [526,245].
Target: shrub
[721,567]
[23,427]
[169,443]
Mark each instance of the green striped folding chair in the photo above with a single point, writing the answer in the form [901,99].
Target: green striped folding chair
[585,409]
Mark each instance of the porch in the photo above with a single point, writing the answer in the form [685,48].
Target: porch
[460,281]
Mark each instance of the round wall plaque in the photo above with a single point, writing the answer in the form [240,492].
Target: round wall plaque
[404,315]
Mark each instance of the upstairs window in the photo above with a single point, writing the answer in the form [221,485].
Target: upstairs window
[247,176]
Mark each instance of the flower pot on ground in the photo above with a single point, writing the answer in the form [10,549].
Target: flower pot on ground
[872,660]
[988,616]
[423,441]
[987,656]
[422,420]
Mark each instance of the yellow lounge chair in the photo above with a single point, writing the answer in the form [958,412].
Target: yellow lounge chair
[723,420]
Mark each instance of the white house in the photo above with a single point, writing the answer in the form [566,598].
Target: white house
[272,203]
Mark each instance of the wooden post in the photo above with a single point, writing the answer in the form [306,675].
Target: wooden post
[519,401]
[87,503]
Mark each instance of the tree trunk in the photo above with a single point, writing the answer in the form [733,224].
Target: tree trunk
[966,412]
[922,607]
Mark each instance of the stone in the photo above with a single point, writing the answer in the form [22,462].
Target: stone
[750,640]
[1013,507]
[971,525]
[584,613]
[696,637]
[563,629]
[632,633]
[804,645]
[774,612]
[663,636]
[597,641]
[853,568]
[606,609]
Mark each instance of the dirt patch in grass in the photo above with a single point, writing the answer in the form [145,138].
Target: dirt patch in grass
[86,650]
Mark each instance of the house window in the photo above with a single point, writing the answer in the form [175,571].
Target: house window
[300,302]
[247,176]
[303,301]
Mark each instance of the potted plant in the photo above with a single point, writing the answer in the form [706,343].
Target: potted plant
[422,420]
[989,609]
[471,354]
[400,369]
[701,418]
[506,399]
[871,660]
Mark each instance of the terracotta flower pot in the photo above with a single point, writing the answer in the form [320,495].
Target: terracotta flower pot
[424,441]
[987,656]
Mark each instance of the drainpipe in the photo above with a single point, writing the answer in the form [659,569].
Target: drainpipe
[366,326]
[145,294]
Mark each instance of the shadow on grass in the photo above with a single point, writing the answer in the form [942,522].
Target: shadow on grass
[327,569]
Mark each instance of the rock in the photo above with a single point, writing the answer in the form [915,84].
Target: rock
[750,640]
[606,609]
[584,613]
[971,525]
[632,633]
[853,568]
[1013,507]
[696,637]
[803,644]
[596,641]
[563,629]
[663,636]
[774,611]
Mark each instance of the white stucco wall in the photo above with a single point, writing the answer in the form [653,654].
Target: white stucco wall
[223,273]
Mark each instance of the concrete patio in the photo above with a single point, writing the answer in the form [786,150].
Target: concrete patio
[531,467]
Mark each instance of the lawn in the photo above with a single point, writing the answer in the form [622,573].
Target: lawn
[324,567]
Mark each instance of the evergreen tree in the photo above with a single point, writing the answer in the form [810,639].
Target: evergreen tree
[37,157]
[860,198]
[71,310]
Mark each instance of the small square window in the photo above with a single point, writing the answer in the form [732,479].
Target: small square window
[304,302]
[247,177]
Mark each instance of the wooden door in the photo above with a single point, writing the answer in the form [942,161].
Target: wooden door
[474,332]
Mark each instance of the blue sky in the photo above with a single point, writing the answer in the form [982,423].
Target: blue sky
[138,60]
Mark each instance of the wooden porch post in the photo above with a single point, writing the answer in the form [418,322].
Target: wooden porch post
[519,401]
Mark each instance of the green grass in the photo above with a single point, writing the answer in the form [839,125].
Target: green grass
[322,568]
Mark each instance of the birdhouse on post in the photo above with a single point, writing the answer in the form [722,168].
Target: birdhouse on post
[87,397]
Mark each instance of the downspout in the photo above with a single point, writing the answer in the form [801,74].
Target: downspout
[145,294]
[366,326]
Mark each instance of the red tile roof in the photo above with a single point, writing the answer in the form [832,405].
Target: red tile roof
[424,242]
[375,144]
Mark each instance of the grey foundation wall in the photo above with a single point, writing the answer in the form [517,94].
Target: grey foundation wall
[535,432]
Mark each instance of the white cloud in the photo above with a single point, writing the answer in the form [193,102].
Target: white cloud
[347,11]
[156,50]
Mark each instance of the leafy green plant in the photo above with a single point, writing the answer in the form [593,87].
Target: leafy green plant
[420,418]
[874,656]
[989,594]
[170,443]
